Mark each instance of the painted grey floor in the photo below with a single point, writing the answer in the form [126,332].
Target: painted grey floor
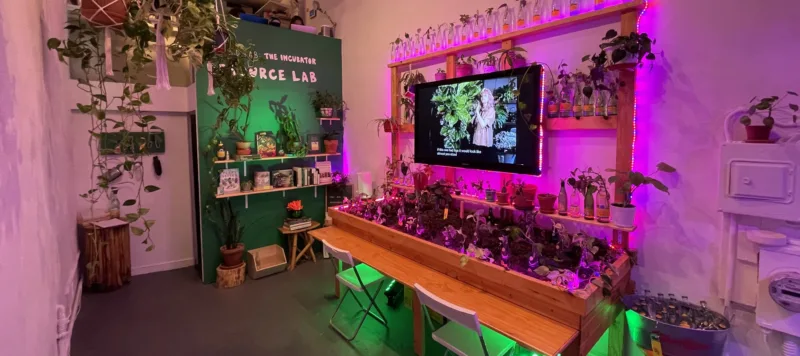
[173,313]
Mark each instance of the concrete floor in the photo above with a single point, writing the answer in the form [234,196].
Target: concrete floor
[173,313]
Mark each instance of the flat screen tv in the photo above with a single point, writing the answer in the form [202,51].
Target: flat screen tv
[487,121]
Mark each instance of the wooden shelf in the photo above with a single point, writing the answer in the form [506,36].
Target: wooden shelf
[407,128]
[279,158]
[555,217]
[546,27]
[583,123]
[274,190]
[328,119]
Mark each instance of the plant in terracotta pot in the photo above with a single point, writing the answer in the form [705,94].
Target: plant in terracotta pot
[502,195]
[510,58]
[229,230]
[760,134]
[488,64]
[622,213]
[387,124]
[440,74]
[459,185]
[522,195]
[421,175]
[547,203]
[464,66]
[331,142]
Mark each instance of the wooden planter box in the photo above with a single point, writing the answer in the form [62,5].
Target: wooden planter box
[589,312]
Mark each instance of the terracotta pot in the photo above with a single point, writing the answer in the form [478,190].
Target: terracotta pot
[420,181]
[522,202]
[547,203]
[326,112]
[530,192]
[502,198]
[758,133]
[113,13]
[463,70]
[331,146]
[387,126]
[243,152]
[488,69]
[622,216]
[232,257]
[244,145]
[440,76]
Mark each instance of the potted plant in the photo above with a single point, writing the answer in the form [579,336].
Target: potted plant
[547,203]
[502,195]
[464,66]
[465,29]
[239,133]
[102,13]
[388,123]
[326,104]
[584,183]
[490,194]
[331,142]
[440,74]
[510,58]
[229,231]
[294,210]
[488,64]
[633,48]
[565,91]
[622,213]
[459,186]
[760,134]
[522,199]
[506,142]
[421,176]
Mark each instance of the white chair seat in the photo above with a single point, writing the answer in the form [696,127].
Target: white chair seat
[368,275]
[463,341]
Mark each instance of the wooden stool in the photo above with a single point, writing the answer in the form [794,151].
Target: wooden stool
[105,247]
[293,235]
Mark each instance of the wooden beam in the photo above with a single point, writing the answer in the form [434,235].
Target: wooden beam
[611,11]
[419,327]
[395,112]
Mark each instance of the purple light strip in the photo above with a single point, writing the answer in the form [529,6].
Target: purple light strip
[635,99]
[541,122]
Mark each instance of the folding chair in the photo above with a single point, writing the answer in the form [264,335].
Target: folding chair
[458,335]
[357,278]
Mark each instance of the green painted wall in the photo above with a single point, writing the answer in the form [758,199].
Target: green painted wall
[266,211]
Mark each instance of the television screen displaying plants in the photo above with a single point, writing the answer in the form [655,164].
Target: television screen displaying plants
[488,121]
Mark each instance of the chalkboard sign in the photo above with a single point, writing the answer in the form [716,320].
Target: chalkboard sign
[110,143]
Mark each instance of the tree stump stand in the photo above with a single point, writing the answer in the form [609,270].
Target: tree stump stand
[107,257]
[229,277]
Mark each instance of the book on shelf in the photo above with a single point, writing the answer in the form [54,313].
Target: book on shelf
[324,169]
[298,226]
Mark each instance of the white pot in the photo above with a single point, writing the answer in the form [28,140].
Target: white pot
[622,217]
[326,112]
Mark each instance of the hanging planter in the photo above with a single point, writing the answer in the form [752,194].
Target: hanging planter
[105,13]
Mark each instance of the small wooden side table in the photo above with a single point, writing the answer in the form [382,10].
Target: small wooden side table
[293,235]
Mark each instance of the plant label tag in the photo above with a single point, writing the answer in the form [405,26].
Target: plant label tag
[445,213]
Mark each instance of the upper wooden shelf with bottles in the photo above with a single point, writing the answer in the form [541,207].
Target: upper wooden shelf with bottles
[610,11]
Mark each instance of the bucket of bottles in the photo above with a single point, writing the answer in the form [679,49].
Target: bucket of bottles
[682,328]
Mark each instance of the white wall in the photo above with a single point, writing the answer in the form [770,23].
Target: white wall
[171,207]
[37,210]
[716,56]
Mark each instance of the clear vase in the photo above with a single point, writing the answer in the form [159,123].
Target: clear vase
[418,49]
[522,17]
[537,12]
[490,25]
[601,104]
[451,37]
[477,27]
[462,33]
[612,105]
[603,206]
[557,10]
[577,98]
[574,7]
[509,19]
[113,204]
[392,52]
[575,204]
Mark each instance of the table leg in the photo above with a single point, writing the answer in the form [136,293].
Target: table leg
[310,243]
[307,250]
[293,237]
[337,266]
[419,328]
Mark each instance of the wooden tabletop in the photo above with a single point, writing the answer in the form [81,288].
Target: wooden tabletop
[285,230]
[527,328]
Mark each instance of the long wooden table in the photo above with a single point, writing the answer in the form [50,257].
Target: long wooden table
[530,330]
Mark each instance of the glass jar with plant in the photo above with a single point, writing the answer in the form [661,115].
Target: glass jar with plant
[441,37]
[490,23]
[429,40]
[599,4]
[331,142]
[537,11]
[566,91]
[450,36]
[557,10]
[509,18]
[440,74]
[288,134]
[578,97]
[408,46]
[522,14]
[418,45]
[583,182]
[465,29]
[574,7]
[622,213]
[464,66]
[587,90]
[478,26]
[488,64]
[760,133]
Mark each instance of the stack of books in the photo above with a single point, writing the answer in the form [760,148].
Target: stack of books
[297,224]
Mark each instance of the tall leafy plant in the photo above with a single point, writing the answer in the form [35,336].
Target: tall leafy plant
[454,105]
[288,134]
[631,181]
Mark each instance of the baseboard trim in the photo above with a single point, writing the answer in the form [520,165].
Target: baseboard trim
[163,266]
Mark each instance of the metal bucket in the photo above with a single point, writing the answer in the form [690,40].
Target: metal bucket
[675,340]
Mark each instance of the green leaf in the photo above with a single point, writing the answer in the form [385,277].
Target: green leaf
[149,118]
[136,102]
[151,188]
[154,127]
[150,248]
[794,107]
[94,134]
[745,120]
[129,202]
[143,211]
[636,178]
[149,223]
[586,58]
[145,98]
[656,183]
[84,108]
[99,97]
[53,43]
[665,167]
[132,217]
[612,179]
[119,124]
[128,165]
[137,231]
[138,87]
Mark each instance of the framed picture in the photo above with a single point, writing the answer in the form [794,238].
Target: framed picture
[314,143]
[266,144]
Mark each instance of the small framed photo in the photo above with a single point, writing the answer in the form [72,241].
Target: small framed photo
[314,143]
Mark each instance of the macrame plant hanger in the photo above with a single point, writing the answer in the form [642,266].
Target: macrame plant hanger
[94,20]
[218,5]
